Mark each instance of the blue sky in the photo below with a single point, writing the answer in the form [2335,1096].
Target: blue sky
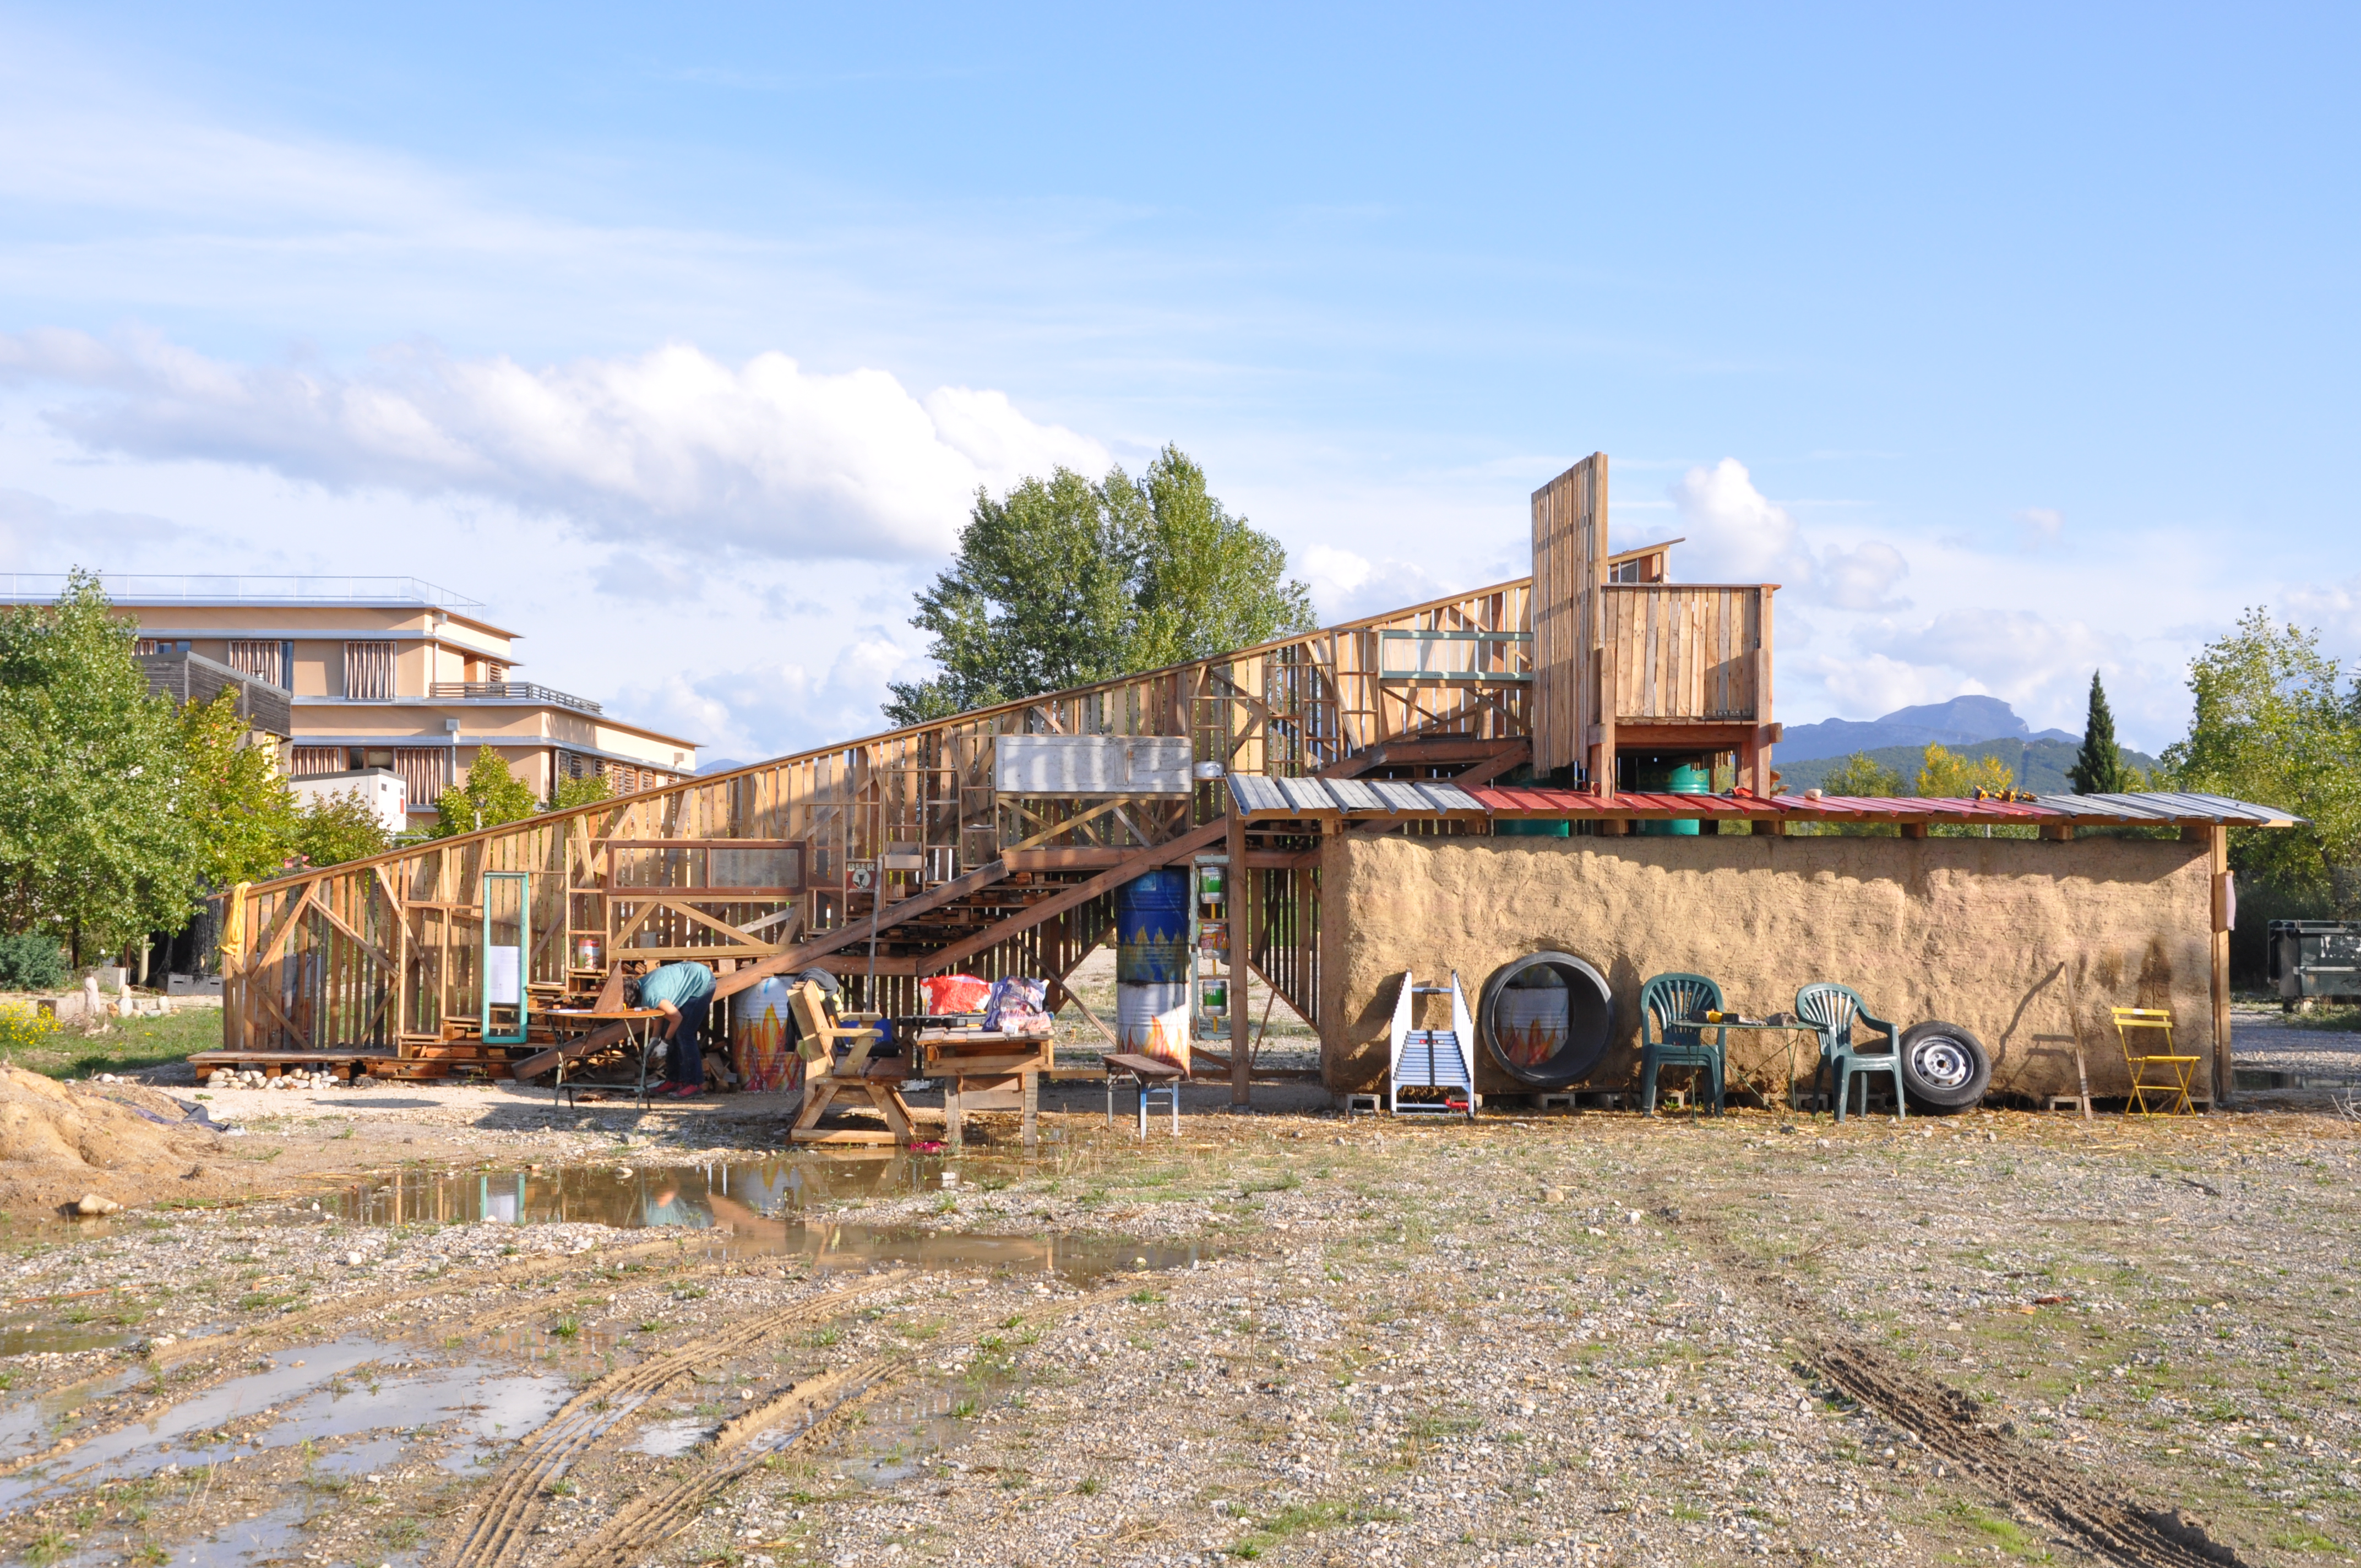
[2015,343]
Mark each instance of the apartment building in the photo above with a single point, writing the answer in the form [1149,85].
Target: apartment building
[386,673]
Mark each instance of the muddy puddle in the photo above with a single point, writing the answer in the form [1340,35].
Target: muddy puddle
[749,1209]
[315,1396]
[292,1434]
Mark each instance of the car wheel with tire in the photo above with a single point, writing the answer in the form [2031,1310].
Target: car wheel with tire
[1945,1068]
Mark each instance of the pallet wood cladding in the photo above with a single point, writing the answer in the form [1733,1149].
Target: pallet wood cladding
[1571,727]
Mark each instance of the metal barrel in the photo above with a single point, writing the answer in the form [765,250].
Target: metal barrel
[1151,922]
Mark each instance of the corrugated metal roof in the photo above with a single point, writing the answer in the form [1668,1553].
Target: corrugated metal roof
[1260,796]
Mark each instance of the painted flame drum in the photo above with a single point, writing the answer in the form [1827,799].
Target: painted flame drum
[762,1038]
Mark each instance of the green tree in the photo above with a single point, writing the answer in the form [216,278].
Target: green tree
[1861,777]
[1944,774]
[339,826]
[2270,725]
[243,807]
[1064,583]
[1864,777]
[99,836]
[1207,582]
[490,796]
[571,793]
[2099,767]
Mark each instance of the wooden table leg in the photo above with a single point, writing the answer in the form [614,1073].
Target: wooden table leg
[1031,1091]
[954,1138]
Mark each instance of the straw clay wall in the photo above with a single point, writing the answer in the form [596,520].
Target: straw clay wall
[2026,942]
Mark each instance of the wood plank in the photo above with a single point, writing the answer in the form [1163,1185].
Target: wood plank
[802,956]
[1074,897]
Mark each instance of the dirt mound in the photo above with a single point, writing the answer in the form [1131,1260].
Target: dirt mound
[58,1141]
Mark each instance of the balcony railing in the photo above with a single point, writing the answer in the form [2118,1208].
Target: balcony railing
[511,691]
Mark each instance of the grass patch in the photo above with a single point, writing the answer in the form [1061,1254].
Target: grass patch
[2003,1533]
[2304,1540]
[1303,1519]
[128,1045]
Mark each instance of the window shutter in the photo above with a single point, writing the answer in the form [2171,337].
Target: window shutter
[368,671]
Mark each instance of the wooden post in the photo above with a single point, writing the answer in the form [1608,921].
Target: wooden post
[2217,863]
[1234,884]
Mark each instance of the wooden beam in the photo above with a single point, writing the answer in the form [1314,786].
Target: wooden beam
[2217,863]
[1076,896]
[844,937]
[1237,892]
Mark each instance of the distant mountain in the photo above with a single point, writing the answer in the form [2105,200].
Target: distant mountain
[2040,762]
[1962,722]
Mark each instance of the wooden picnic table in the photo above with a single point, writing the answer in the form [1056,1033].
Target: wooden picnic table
[986,1060]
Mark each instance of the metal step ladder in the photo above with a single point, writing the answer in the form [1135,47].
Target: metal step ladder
[1437,1067]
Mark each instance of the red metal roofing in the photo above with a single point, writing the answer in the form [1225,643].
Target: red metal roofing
[1581,802]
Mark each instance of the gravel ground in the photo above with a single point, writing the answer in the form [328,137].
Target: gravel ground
[1566,1339]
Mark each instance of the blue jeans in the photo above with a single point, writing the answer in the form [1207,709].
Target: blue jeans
[685,1063]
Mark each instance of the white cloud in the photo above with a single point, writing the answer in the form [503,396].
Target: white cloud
[1861,577]
[38,534]
[773,708]
[2040,526]
[1877,683]
[767,457]
[2333,608]
[1346,585]
[1735,533]
[1738,534]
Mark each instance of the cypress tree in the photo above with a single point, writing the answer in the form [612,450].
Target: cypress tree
[2099,767]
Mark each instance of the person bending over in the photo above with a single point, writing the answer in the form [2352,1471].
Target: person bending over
[684,991]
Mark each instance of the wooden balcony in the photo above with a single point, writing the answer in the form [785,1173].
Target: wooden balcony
[1627,661]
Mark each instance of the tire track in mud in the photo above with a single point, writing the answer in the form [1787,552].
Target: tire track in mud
[634,1531]
[502,1516]
[1951,1423]
[253,1337]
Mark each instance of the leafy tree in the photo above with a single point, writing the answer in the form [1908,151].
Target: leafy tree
[1862,777]
[243,807]
[2270,727]
[340,827]
[2099,767]
[571,793]
[100,840]
[32,962]
[1207,581]
[1064,583]
[490,796]
[1944,774]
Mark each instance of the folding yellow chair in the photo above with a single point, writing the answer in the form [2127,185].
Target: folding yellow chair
[2177,1070]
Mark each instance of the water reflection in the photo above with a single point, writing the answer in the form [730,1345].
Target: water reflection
[696,1197]
[755,1208]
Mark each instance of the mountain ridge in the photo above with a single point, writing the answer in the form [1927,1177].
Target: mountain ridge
[1964,720]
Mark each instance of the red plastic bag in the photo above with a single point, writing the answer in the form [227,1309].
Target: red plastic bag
[953,994]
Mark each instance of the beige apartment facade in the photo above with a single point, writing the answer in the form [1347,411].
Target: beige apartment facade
[387,672]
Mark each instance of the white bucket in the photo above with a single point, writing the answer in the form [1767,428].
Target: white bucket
[1152,1020]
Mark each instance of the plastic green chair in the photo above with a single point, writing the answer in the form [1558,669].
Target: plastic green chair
[1667,1039]
[1838,1011]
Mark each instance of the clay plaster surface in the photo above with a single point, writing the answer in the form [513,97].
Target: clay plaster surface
[2026,942]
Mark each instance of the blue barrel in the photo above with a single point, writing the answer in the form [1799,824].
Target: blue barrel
[1668,775]
[1151,929]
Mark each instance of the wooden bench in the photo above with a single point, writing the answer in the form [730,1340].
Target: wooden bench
[1151,1076]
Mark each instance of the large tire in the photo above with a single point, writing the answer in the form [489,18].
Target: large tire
[1945,1069]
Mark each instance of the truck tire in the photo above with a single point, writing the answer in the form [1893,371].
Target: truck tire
[1945,1069]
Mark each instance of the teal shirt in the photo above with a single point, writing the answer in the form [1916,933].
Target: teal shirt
[683,985]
